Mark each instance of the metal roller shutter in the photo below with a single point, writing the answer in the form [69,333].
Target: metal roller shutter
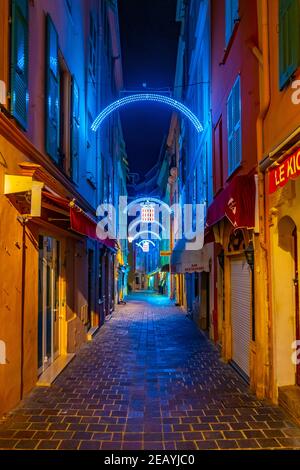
[241,312]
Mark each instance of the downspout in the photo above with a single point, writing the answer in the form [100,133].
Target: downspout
[264,62]
[23,221]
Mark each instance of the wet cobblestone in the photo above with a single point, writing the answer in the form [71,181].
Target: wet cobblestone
[149,380]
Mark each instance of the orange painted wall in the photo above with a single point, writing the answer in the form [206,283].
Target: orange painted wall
[283,116]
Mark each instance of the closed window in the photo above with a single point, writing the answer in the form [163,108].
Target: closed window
[19,61]
[65,81]
[75,142]
[231,17]
[218,157]
[289,39]
[92,49]
[234,127]
[91,152]
[52,134]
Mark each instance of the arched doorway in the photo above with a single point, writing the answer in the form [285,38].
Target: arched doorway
[286,301]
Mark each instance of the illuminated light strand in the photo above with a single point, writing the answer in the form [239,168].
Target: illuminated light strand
[147,97]
[150,232]
[142,199]
[155,222]
[140,244]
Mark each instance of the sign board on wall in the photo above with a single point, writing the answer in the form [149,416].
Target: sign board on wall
[283,173]
[165,253]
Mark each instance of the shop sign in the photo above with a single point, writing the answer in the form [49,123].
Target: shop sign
[190,268]
[287,170]
[165,253]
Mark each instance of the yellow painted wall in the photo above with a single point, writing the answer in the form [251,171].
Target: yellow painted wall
[284,204]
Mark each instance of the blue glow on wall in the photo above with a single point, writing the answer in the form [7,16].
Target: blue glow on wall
[147,97]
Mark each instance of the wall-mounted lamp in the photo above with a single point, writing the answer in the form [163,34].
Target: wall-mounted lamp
[249,253]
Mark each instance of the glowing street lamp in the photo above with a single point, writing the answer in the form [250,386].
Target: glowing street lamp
[147,213]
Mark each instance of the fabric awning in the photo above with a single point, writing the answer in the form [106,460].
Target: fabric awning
[236,202]
[184,261]
[80,221]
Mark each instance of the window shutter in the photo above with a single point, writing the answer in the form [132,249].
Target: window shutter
[234,127]
[289,39]
[75,132]
[218,159]
[52,92]
[231,16]
[19,61]
[227,21]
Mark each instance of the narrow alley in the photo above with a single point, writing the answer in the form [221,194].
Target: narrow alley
[149,380]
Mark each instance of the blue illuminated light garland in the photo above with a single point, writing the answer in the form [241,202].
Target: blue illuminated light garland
[147,97]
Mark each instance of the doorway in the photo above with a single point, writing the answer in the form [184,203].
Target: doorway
[296,287]
[48,302]
[90,287]
[205,302]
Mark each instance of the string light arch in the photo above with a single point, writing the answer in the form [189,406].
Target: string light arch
[152,97]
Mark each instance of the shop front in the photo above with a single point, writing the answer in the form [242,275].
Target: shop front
[283,202]
[193,271]
[232,218]
[50,296]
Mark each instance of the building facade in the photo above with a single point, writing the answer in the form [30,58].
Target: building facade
[57,65]
[278,155]
[218,78]
[191,162]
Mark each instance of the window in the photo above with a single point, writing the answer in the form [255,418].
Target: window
[234,127]
[69,5]
[19,61]
[218,157]
[75,131]
[91,152]
[65,81]
[92,49]
[289,39]
[52,92]
[231,17]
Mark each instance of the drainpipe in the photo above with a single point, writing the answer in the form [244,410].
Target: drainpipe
[23,221]
[263,58]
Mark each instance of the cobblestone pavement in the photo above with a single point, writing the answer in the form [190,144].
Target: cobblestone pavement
[149,380]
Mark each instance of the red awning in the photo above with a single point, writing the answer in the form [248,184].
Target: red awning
[236,202]
[80,221]
[57,200]
[84,224]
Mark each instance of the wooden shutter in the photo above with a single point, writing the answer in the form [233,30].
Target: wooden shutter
[289,39]
[19,61]
[234,127]
[218,158]
[75,131]
[231,16]
[52,92]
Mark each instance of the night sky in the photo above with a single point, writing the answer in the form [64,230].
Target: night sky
[149,38]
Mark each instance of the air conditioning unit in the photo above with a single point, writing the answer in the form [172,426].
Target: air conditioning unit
[2,92]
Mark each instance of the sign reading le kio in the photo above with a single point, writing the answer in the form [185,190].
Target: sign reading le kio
[288,169]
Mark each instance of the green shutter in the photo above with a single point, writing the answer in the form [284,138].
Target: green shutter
[289,39]
[52,92]
[75,132]
[19,61]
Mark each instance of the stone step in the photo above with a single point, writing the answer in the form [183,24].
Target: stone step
[289,399]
